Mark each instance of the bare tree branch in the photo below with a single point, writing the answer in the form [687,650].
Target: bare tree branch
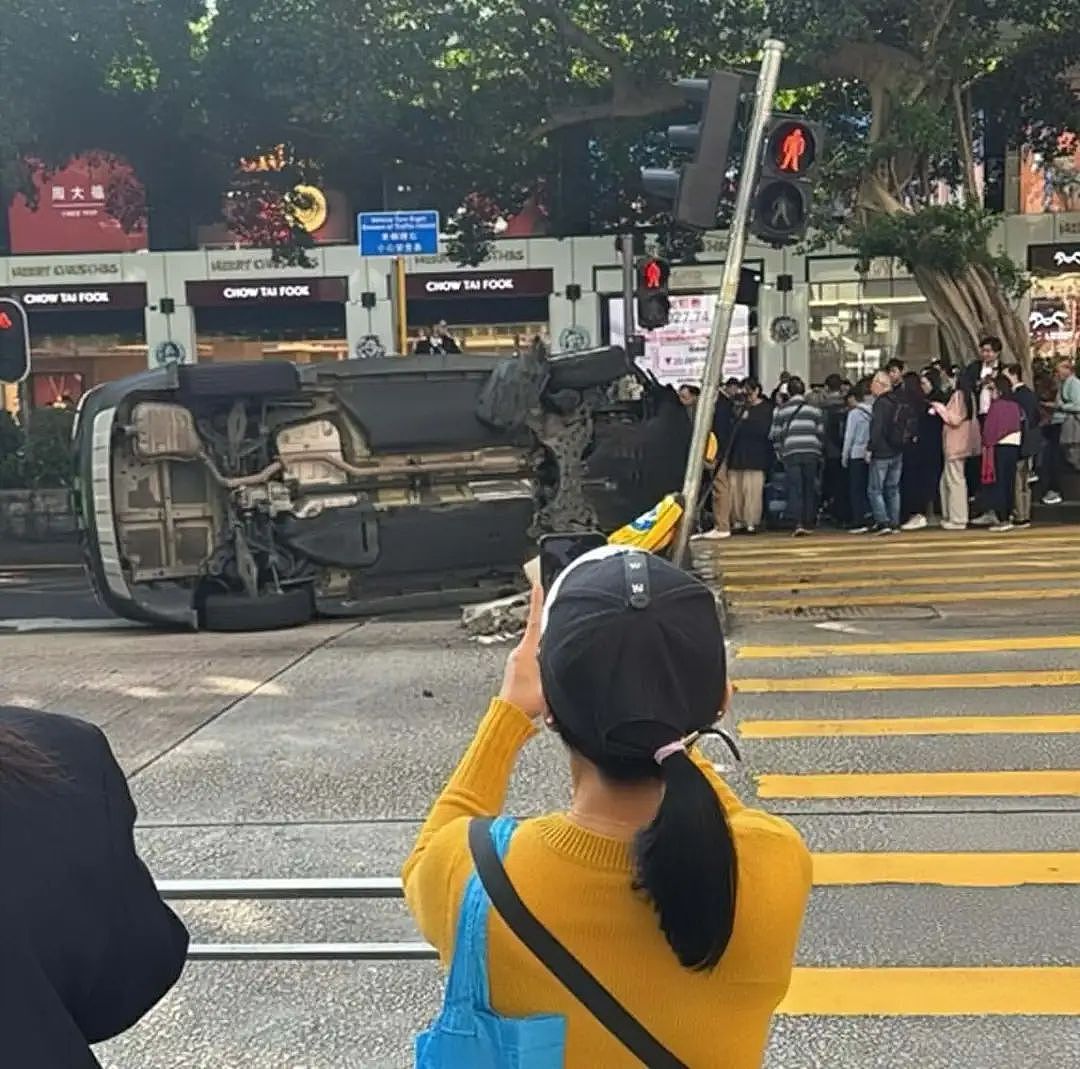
[870,63]
[574,35]
[629,98]
[635,102]
[963,137]
[929,46]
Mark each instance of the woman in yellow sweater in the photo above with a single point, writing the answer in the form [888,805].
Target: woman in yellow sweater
[684,904]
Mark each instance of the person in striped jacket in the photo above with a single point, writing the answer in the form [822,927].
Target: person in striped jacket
[798,436]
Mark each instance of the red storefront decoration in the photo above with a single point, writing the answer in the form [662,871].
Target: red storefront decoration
[93,204]
[51,389]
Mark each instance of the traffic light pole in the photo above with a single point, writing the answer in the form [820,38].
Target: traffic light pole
[767,80]
[626,245]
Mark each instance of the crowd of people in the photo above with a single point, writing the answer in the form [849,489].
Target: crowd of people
[883,454]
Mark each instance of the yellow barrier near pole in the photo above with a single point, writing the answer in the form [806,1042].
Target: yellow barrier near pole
[401,323]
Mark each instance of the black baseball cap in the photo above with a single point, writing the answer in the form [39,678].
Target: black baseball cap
[632,653]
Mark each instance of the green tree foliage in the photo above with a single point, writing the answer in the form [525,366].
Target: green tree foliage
[41,459]
[478,106]
[906,90]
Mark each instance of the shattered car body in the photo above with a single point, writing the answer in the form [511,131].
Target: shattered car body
[251,496]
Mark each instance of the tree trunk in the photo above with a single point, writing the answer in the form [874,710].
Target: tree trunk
[970,306]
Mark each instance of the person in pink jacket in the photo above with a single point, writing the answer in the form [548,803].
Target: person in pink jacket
[960,440]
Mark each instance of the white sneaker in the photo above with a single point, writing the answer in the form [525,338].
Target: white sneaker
[715,535]
[987,519]
[946,525]
[1052,498]
[1000,527]
[916,523]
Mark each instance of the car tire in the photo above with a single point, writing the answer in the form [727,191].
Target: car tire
[267,612]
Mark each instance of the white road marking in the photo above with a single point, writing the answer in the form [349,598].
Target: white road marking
[56,623]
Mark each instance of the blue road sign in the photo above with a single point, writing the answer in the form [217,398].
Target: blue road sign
[398,233]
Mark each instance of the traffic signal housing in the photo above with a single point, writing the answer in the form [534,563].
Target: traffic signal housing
[653,303]
[785,190]
[14,341]
[695,188]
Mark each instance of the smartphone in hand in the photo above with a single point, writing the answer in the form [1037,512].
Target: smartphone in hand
[557,551]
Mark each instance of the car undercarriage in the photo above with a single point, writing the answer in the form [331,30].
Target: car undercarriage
[249,496]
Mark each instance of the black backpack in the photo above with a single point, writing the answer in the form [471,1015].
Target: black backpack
[902,428]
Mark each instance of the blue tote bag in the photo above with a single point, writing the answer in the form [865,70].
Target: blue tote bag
[468,1034]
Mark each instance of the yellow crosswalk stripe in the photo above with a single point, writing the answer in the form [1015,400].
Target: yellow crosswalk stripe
[944,596]
[799,584]
[990,869]
[902,649]
[1030,724]
[943,681]
[937,992]
[1008,784]
[868,566]
[785,548]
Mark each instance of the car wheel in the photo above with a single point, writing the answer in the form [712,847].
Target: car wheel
[267,612]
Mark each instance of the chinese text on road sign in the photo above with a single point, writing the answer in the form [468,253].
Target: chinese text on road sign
[398,233]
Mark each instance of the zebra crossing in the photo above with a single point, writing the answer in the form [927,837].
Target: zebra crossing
[932,762]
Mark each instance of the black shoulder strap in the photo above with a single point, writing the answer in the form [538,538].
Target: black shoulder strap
[562,964]
[791,420]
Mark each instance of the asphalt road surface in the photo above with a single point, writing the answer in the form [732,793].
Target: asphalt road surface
[34,592]
[911,704]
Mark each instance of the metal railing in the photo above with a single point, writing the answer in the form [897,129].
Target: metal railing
[291,891]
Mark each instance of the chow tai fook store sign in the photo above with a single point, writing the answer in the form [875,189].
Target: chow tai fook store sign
[464,285]
[123,295]
[242,293]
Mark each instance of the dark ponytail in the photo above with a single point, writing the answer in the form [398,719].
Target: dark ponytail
[685,862]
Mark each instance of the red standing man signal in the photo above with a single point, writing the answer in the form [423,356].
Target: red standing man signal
[653,275]
[14,342]
[792,151]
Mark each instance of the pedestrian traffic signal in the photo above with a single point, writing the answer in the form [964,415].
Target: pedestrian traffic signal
[694,189]
[653,304]
[785,192]
[14,341]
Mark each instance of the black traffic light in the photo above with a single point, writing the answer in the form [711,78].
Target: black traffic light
[653,305]
[785,191]
[694,189]
[14,341]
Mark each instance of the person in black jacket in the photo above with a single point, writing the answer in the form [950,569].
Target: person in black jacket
[980,374]
[886,454]
[88,944]
[1030,439]
[723,425]
[750,459]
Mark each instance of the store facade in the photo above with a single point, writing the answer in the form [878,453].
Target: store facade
[860,320]
[1054,315]
[676,354]
[81,333]
[486,311]
[291,318]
